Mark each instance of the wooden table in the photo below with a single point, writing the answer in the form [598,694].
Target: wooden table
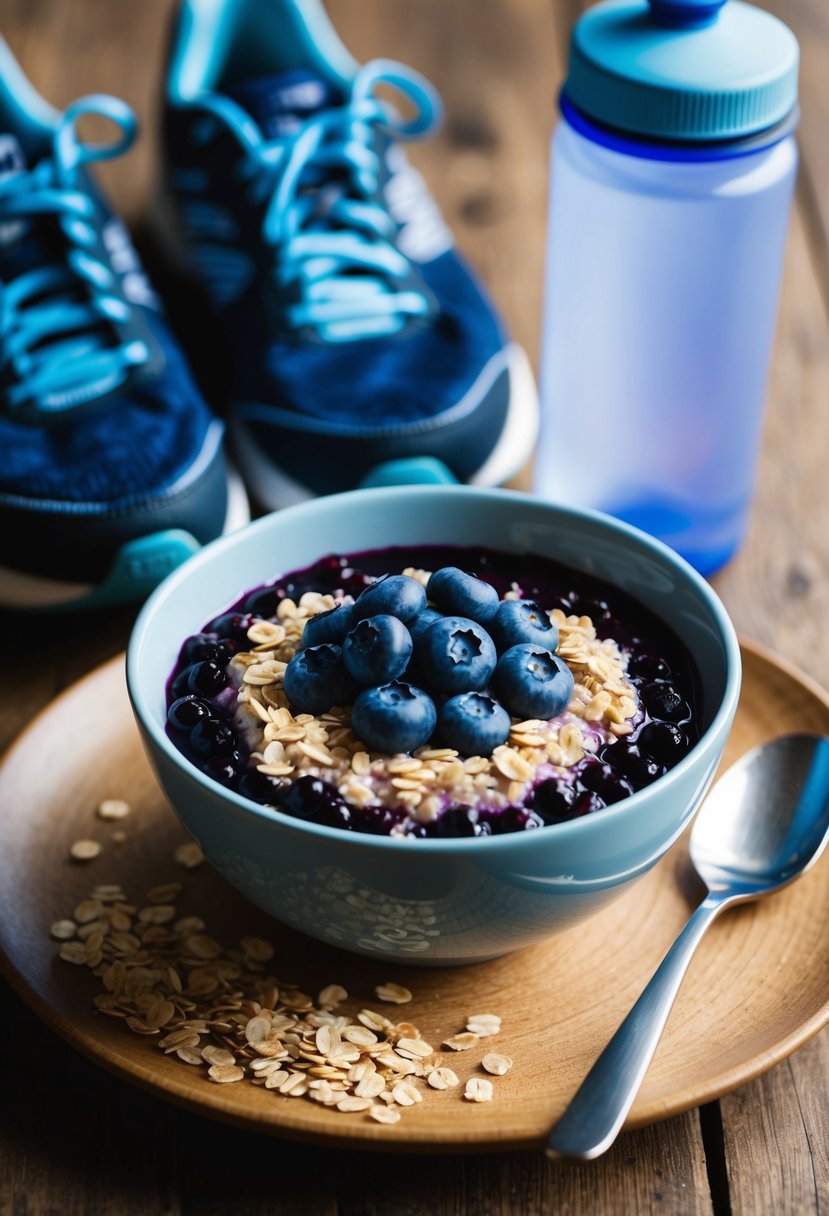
[73,1140]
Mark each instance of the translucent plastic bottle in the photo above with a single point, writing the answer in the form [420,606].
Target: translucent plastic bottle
[663,270]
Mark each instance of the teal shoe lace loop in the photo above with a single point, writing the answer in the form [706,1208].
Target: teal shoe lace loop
[335,239]
[59,341]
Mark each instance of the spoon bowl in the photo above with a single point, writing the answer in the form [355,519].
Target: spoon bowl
[766,819]
[765,822]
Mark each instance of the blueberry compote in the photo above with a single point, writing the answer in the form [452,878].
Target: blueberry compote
[202,698]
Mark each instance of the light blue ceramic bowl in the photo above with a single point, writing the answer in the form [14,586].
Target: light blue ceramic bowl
[433,901]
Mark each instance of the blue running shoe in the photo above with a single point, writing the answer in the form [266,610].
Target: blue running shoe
[111,465]
[356,337]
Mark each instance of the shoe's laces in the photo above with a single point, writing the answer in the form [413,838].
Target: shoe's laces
[58,341]
[334,239]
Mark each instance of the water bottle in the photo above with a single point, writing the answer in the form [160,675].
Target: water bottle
[672,173]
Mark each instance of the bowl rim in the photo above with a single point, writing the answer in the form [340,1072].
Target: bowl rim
[629,806]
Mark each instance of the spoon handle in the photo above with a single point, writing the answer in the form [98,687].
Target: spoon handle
[592,1120]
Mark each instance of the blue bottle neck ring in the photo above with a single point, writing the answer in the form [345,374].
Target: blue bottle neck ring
[676,150]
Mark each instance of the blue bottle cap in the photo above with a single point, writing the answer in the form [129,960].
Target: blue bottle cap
[682,69]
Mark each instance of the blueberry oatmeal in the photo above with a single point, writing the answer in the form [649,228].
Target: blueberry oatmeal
[434,691]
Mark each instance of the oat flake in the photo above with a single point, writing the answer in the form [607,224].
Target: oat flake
[84,850]
[478,1089]
[393,994]
[496,1064]
[113,808]
[188,855]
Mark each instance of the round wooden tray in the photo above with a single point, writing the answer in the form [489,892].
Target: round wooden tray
[758,988]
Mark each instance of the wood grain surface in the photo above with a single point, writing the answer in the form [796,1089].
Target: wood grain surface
[75,1140]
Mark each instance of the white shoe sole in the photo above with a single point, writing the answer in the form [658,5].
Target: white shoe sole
[19,590]
[274,489]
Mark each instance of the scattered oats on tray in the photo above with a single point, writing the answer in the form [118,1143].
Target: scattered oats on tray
[496,1064]
[188,855]
[478,1089]
[461,1042]
[218,1010]
[483,1024]
[113,808]
[394,994]
[84,850]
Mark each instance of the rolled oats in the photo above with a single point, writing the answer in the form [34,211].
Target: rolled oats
[406,1094]
[461,1042]
[113,808]
[352,1103]
[188,855]
[84,850]
[478,1089]
[394,994]
[442,1078]
[482,1024]
[63,930]
[496,1064]
[224,1073]
[331,996]
[370,1086]
[170,981]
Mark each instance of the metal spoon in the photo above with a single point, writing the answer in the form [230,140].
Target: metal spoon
[763,824]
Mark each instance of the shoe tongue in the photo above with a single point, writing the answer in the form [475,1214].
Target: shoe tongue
[12,162]
[26,243]
[280,103]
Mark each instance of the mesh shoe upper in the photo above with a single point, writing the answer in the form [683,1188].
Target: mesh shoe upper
[273,176]
[103,434]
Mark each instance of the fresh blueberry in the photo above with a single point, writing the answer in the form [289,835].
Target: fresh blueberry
[473,724]
[458,654]
[316,801]
[303,796]
[533,683]
[377,649]
[554,801]
[184,713]
[418,625]
[259,787]
[392,594]
[517,819]
[520,621]
[600,779]
[662,701]
[211,737]
[204,679]
[628,760]
[263,602]
[202,646]
[179,686]
[648,667]
[224,769]
[316,678]
[395,717]
[663,741]
[455,821]
[587,801]
[233,625]
[330,626]
[459,594]
[378,820]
